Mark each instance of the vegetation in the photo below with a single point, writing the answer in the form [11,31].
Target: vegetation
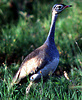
[23,28]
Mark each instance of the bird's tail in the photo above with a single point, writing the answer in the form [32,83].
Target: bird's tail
[15,79]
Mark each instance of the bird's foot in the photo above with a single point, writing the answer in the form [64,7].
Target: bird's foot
[28,88]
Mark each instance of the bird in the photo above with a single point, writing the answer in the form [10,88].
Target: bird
[43,60]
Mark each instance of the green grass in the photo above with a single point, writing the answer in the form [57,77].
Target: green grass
[55,88]
[18,39]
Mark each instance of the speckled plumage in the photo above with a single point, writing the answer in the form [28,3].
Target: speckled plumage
[44,59]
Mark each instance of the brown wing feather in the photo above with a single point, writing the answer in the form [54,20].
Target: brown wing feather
[34,61]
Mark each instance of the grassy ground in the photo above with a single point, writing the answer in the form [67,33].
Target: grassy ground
[18,38]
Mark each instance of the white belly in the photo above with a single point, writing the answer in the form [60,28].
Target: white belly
[51,67]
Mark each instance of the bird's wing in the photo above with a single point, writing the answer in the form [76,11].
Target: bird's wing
[33,62]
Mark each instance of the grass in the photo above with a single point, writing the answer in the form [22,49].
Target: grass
[20,38]
[55,88]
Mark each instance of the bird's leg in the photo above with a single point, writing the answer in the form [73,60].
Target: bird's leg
[28,88]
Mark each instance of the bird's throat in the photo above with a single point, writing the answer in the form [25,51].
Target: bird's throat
[50,38]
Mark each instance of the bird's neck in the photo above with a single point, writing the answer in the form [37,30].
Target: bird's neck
[50,38]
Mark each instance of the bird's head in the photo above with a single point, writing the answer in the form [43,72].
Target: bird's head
[58,8]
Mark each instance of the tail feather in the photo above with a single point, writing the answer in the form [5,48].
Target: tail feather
[21,73]
[16,79]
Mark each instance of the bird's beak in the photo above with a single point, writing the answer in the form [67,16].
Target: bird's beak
[68,6]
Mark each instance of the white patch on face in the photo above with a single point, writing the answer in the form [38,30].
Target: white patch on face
[58,8]
[51,67]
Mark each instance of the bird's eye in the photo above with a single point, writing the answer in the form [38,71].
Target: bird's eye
[60,7]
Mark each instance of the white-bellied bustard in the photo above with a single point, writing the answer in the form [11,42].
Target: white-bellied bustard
[44,59]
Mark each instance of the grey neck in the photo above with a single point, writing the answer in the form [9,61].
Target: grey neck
[50,38]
